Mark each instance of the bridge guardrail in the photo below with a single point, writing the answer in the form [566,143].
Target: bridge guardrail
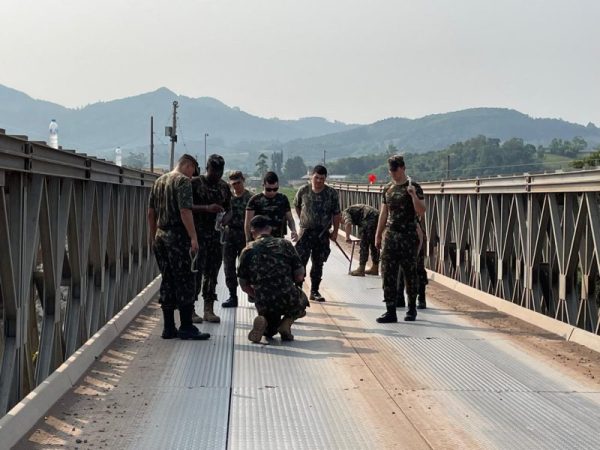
[75,251]
[532,239]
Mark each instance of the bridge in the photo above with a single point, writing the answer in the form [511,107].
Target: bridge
[505,356]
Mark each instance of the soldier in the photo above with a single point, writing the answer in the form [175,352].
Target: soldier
[211,198]
[272,204]
[269,268]
[365,217]
[235,237]
[173,238]
[318,207]
[402,200]
[421,271]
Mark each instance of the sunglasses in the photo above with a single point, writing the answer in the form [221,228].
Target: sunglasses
[275,189]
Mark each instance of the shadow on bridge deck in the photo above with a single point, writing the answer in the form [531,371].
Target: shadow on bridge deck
[453,379]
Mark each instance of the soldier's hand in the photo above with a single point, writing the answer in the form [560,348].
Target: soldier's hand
[194,246]
[294,236]
[378,242]
[411,190]
[214,208]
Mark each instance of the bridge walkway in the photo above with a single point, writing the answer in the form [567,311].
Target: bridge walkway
[346,382]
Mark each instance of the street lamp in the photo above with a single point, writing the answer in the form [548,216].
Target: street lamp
[205,159]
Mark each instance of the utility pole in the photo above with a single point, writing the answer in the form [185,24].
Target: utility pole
[173,135]
[151,143]
[205,159]
[448,167]
[324,156]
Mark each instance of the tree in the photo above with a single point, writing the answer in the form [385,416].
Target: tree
[261,165]
[136,160]
[294,168]
[277,162]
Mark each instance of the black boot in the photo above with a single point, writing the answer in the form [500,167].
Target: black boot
[411,312]
[422,304]
[169,328]
[314,291]
[390,314]
[231,302]
[187,330]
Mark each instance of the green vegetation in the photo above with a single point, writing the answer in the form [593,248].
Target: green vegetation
[289,192]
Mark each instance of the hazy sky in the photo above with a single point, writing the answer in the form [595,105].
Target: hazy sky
[349,60]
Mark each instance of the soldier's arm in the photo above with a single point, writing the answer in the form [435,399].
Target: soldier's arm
[188,221]
[417,198]
[290,221]
[151,225]
[383,215]
[248,218]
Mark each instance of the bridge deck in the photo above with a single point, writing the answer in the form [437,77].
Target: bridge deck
[345,382]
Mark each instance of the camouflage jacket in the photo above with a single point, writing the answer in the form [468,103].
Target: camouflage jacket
[206,193]
[274,208]
[401,211]
[170,193]
[317,209]
[360,215]
[238,210]
[269,265]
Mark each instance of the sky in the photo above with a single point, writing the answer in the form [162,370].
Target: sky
[348,60]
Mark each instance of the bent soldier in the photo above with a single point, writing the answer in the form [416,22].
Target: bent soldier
[269,268]
[173,238]
[365,217]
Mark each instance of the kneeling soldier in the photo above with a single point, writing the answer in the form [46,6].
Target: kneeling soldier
[269,268]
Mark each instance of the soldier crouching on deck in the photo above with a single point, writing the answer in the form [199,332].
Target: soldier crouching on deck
[174,240]
[365,217]
[402,200]
[269,268]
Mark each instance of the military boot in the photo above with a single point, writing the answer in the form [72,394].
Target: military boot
[285,329]
[314,291]
[411,312]
[196,318]
[390,314]
[358,272]
[169,328]
[258,328]
[187,330]
[209,314]
[373,270]
[231,302]
[422,303]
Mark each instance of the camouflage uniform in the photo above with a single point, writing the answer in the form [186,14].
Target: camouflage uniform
[269,264]
[235,239]
[171,193]
[274,208]
[316,215]
[400,243]
[421,272]
[210,248]
[365,217]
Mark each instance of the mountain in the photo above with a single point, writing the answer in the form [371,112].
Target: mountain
[438,131]
[100,127]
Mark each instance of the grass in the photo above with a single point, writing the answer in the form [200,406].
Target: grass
[289,192]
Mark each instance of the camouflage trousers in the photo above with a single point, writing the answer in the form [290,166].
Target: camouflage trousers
[171,250]
[421,274]
[208,264]
[290,305]
[399,252]
[235,241]
[314,244]
[367,241]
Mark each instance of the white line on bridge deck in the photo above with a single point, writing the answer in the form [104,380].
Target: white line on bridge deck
[345,382]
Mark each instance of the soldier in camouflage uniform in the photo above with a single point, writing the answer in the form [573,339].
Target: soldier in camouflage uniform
[402,200]
[272,204]
[365,217]
[421,271]
[211,197]
[235,237]
[173,238]
[318,207]
[269,268]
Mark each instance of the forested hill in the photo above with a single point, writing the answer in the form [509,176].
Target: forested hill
[438,131]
